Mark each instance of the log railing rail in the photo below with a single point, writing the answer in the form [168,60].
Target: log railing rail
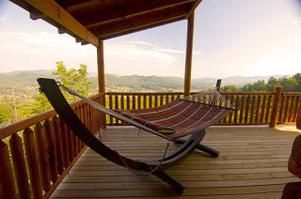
[36,153]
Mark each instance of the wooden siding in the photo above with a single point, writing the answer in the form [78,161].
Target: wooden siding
[252,164]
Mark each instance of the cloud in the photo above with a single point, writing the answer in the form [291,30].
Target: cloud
[296,21]
[2,19]
[22,50]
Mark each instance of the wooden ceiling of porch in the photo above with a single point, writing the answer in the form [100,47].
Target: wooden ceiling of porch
[89,20]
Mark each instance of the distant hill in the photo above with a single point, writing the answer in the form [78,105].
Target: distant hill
[25,84]
[235,80]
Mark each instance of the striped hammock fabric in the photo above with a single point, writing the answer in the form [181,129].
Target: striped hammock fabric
[179,118]
[173,120]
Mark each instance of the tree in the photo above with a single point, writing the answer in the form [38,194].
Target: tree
[76,79]
[297,77]
[230,88]
[6,112]
[258,86]
[272,82]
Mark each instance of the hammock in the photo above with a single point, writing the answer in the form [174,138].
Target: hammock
[174,120]
[179,118]
[187,116]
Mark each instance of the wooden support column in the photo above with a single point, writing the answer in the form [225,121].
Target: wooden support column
[101,70]
[275,107]
[101,79]
[189,49]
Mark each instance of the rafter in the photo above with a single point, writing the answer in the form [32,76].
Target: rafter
[141,28]
[101,13]
[144,21]
[55,14]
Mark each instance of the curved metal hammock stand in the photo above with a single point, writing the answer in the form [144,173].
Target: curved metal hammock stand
[51,89]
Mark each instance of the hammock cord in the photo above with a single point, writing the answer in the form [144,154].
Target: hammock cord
[74,93]
[210,97]
[102,108]
[145,173]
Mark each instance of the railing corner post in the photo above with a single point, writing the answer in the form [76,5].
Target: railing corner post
[277,99]
[102,115]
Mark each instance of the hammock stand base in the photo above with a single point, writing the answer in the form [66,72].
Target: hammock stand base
[200,147]
[156,167]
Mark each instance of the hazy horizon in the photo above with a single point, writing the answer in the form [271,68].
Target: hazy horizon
[94,74]
[232,38]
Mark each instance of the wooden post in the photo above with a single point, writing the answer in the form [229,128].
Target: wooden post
[189,49]
[276,102]
[101,80]
[218,84]
[298,119]
[6,173]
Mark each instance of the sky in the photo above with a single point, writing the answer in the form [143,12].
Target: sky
[231,38]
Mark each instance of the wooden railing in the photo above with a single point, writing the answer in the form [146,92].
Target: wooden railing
[268,108]
[136,101]
[36,153]
[288,107]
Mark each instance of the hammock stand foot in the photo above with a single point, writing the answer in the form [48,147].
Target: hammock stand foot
[210,151]
[177,186]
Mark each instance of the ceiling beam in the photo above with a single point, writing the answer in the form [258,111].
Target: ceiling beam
[55,13]
[68,3]
[141,28]
[197,2]
[143,21]
[103,13]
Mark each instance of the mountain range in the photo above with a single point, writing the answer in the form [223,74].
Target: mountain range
[24,82]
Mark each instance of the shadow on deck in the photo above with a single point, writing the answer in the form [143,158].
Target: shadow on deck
[252,164]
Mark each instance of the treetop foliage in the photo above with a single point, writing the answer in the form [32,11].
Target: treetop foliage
[289,84]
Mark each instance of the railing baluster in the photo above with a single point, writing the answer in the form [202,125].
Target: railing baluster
[49,130]
[287,99]
[291,108]
[268,109]
[20,166]
[296,108]
[66,143]
[236,109]
[231,114]
[59,145]
[149,101]
[156,100]
[280,117]
[76,140]
[263,109]
[139,102]
[134,102]
[247,109]
[70,141]
[252,110]
[241,113]
[7,181]
[43,155]
[257,109]
[33,163]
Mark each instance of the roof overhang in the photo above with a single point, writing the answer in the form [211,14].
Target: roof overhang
[92,20]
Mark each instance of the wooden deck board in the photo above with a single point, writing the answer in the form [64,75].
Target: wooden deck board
[252,164]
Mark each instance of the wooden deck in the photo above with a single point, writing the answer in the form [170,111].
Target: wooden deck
[252,164]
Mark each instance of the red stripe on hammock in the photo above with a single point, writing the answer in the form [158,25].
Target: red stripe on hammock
[185,117]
